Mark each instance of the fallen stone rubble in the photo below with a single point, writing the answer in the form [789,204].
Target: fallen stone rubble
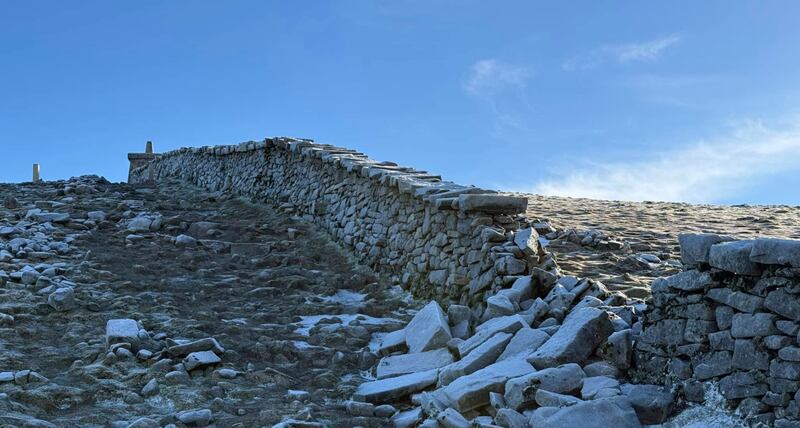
[559,356]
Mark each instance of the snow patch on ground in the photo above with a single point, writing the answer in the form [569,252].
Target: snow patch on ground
[309,321]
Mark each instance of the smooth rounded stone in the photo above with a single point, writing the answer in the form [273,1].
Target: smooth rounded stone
[520,392]
[605,412]
[525,341]
[144,354]
[734,256]
[123,353]
[696,246]
[384,410]
[150,389]
[199,417]
[773,251]
[652,403]
[580,334]
[358,408]
[546,398]
[96,215]
[185,241]
[63,299]
[396,365]
[428,329]
[777,341]
[227,373]
[177,377]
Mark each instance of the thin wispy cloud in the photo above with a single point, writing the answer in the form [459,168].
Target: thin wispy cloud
[646,51]
[706,171]
[489,76]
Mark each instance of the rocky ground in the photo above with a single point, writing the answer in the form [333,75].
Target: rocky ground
[628,244]
[135,307]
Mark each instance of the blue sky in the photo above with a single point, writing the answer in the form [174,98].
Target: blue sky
[689,101]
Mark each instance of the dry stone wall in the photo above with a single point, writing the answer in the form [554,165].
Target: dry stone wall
[439,239]
[729,319]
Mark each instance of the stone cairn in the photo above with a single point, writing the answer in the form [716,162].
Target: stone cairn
[730,319]
[506,340]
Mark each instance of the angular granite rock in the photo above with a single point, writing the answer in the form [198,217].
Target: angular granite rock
[385,390]
[734,256]
[580,334]
[776,252]
[606,412]
[471,391]
[397,365]
[428,329]
[695,246]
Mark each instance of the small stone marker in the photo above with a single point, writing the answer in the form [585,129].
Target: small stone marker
[148,148]
[36,177]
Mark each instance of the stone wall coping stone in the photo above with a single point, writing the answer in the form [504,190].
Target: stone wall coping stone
[427,187]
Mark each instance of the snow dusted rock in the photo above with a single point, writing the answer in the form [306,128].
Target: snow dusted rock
[428,329]
[471,391]
[580,334]
[734,256]
[139,224]
[606,412]
[695,246]
[524,342]
[599,387]
[200,359]
[407,418]
[393,342]
[397,365]
[63,299]
[527,240]
[479,358]
[776,252]
[185,241]
[122,331]
[386,390]
[510,419]
[450,418]
[520,392]
[507,324]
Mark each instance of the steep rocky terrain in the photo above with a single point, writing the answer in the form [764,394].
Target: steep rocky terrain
[148,306]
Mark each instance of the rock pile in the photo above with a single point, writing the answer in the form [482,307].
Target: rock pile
[729,319]
[558,357]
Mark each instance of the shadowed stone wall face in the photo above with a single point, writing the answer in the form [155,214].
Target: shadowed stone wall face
[440,239]
[730,317]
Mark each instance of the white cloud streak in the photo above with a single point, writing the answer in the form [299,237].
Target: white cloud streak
[703,172]
[623,53]
[489,76]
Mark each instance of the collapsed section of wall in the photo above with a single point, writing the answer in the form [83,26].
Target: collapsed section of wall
[439,239]
[730,317]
